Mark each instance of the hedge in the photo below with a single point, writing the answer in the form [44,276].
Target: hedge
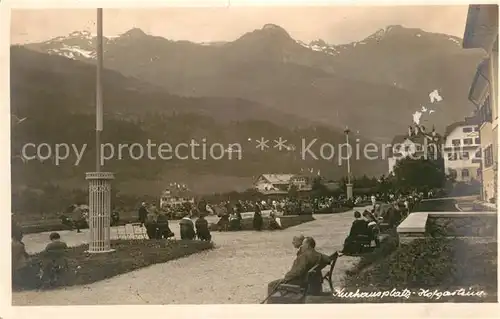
[441,264]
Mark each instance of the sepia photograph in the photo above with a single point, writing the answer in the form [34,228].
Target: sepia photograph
[254,155]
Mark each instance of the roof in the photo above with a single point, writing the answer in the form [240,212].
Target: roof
[481,27]
[468,121]
[278,178]
[398,139]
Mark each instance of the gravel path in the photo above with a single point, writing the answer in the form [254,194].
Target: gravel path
[236,271]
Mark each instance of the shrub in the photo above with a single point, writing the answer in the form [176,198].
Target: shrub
[433,263]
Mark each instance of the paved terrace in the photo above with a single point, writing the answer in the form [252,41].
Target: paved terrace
[236,271]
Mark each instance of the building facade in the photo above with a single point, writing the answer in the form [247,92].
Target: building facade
[462,151]
[418,143]
[481,32]
[175,197]
[282,182]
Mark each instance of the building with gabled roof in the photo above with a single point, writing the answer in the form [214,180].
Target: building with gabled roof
[417,143]
[462,153]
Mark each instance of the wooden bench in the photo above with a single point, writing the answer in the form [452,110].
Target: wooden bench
[296,294]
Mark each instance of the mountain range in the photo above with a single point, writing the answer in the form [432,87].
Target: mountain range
[264,84]
[56,98]
[358,84]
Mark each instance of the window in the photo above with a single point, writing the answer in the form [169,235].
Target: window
[467,141]
[485,111]
[452,156]
[452,173]
[465,155]
[478,172]
[477,141]
[455,142]
[488,156]
[478,154]
[476,129]
[465,172]
[467,129]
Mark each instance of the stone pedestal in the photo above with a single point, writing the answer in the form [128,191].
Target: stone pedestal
[99,211]
[349,191]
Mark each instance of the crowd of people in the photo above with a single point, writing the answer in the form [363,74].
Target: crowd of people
[388,210]
[157,227]
[386,213]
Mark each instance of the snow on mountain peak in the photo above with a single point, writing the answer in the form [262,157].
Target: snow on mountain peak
[73,52]
[320,46]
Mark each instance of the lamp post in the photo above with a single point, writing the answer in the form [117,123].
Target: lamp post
[349,184]
[99,182]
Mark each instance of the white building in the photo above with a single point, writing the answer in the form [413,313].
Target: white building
[417,143]
[174,197]
[266,183]
[462,151]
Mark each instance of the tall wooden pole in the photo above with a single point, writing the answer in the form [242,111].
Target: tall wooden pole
[99,182]
[99,102]
[349,184]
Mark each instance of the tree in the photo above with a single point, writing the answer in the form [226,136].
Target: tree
[419,173]
[293,191]
[318,188]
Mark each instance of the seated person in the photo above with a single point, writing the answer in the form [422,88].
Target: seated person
[305,261]
[359,231]
[54,258]
[151,225]
[297,243]
[223,222]
[163,228]
[372,226]
[56,244]
[273,223]
[187,228]
[202,230]
[25,271]
[234,221]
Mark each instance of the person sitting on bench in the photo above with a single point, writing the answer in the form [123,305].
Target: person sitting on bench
[54,261]
[372,226]
[305,261]
[187,228]
[234,222]
[163,229]
[358,235]
[297,243]
[202,230]
[151,225]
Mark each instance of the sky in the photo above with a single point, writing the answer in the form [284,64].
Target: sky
[334,24]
